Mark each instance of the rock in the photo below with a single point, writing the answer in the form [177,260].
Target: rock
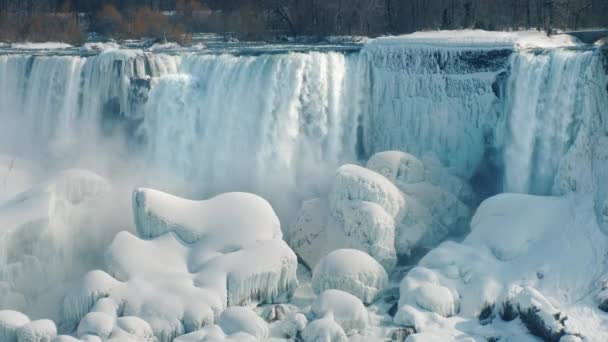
[351,271]
[347,310]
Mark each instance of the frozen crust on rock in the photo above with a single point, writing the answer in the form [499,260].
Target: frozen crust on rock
[191,268]
[351,271]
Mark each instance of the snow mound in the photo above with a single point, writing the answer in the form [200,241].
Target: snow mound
[347,310]
[351,271]
[323,330]
[199,261]
[242,319]
[10,323]
[512,263]
[222,218]
[397,205]
[42,330]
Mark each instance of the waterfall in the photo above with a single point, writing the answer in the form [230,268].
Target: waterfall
[279,124]
[434,100]
[545,107]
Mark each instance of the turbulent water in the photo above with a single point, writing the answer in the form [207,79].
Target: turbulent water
[279,124]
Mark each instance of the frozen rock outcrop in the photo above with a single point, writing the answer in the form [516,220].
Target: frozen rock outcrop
[511,265]
[347,310]
[324,329]
[396,205]
[351,271]
[201,257]
[43,330]
[10,323]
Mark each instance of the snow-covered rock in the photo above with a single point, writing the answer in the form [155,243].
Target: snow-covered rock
[10,323]
[43,330]
[133,327]
[397,205]
[539,315]
[323,330]
[347,310]
[201,258]
[511,265]
[421,288]
[351,271]
[242,319]
[96,323]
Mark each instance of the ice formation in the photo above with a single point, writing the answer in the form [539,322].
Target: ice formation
[391,208]
[208,255]
[49,234]
[242,319]
[351,271]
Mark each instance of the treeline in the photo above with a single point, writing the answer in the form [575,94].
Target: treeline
[263,19]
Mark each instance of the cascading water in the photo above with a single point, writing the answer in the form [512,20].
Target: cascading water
[546,97]
[271,124]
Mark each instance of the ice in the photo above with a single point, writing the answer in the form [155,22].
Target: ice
[43,330]
[231,254]
[242,319]
[367,211]
[10,323]
[133,327]
[347,310]
[351,271]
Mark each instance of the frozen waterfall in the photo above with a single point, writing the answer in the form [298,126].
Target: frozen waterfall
[545,107]
[279,124]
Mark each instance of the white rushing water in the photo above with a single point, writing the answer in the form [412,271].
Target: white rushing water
[279,124]
[545,108]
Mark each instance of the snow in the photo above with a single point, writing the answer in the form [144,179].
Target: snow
[347,310]
[41,46]
[96,323]
[232,256]
[37,331]
[516,242]
[245,216]
[97,47]
[242,319]
[351,271]
[479,39]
